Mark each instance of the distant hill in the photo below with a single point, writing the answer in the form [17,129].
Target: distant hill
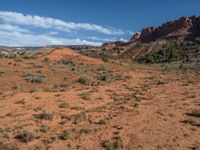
[176,40]
[172,41]
[160,44]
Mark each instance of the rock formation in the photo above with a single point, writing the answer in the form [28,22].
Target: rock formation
[113,44]
[185,27]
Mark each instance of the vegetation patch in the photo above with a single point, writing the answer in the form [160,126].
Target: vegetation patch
[34,78]
[195,113]
[26,136]
[104,57]
[84,80]
[64,105]
[191,122]
[1,72]
[44,128]
[64,135]
[75,118]
[187,52]
[50,88]
[103,77]
[86,96]
[45,115]
[8,146]
[46,59]
[117,143]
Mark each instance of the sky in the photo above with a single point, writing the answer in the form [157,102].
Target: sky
[78,22]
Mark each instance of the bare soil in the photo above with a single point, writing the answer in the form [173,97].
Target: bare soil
[74,102]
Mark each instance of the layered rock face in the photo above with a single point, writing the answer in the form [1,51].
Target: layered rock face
[113,44]
[136,37]
[152,39]
[185,27]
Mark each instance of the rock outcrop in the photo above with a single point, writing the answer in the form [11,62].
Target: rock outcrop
[136,37]
[113,44]
[151,39]
[185,27]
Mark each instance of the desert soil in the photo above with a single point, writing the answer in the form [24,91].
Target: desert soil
[118,105]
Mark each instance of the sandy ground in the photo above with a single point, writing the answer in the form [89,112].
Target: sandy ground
[136,108]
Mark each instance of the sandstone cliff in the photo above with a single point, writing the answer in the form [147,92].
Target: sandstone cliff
[185,27]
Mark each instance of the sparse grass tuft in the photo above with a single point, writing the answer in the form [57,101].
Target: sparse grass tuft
[116,143]
[17,87]
[1,72]
[64,135]
[161,82]
[85,96]
[84,80]
[26,136]
[44,128]
[103,77]
[46,59]
[195,113]
[50,88]
[191,122]
[45,115]
[102,68]
[8,146]
[106,144]
[37,78]
[100,122]
[64,105]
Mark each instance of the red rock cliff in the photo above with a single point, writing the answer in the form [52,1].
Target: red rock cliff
[184,27]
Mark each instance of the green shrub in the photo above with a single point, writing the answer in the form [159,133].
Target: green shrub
[50,88]
[44,128]
[104,57]
[102,68]
[103,77]
[26,136]
[46,59]
[164,55]
[117,143]
[174,51]
[64,105]
[8,146]
[37,78]
[85,96]
[17,87]
[1,71]
[106,144]
[168,53]
[64,135]
[45,115]
[195,113]
[84,80]
[161,82]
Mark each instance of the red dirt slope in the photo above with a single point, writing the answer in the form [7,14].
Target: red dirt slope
[61,53]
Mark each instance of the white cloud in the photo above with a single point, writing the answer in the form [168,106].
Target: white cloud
[19,39]
[17,29]
[53,33]
[11,28]
[56,24]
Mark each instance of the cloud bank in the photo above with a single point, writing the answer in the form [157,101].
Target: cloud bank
[51,23]
[20,39]
[17,29]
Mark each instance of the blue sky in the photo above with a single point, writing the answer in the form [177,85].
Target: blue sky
[63,22]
